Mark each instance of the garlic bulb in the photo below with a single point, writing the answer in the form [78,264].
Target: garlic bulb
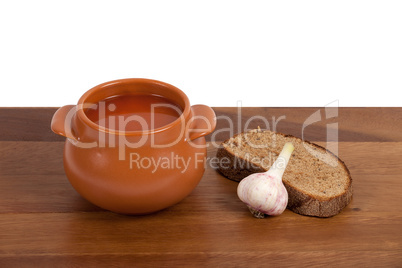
[264,193]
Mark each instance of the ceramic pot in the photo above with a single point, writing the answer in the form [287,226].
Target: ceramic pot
[134,172]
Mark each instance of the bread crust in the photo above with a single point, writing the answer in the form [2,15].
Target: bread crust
[236,168]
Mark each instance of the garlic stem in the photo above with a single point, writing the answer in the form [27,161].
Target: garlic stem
[279,166]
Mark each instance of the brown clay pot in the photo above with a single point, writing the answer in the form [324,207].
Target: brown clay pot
[118,170]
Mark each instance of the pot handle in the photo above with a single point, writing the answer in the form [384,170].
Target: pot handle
[202,123]
[61,122]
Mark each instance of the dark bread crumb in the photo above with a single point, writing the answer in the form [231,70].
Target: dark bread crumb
[318,183]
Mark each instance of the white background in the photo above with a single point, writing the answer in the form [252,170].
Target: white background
[262,53]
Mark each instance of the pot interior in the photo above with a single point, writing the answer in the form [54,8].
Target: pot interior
[134,105]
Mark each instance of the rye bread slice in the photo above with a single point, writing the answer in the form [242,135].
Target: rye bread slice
[318,182]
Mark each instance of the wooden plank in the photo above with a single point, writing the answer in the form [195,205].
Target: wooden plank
[39,194]
[32,180]
[34,158]
[355,124]
[212,259]
[218,259]
[53,193]
[39,233]
[27,124]
[371,158]
[87,235]
[44,222]
[31,158]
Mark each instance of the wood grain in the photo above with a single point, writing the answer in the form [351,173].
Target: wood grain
[44,222]
[355,124]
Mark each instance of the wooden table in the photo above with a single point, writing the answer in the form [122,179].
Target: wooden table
[44,222]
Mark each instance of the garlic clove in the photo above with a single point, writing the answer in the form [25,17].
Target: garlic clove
[264,193]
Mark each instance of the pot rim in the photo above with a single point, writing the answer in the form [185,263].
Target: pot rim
[181,119]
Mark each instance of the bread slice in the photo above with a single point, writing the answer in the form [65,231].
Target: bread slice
[318,182]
